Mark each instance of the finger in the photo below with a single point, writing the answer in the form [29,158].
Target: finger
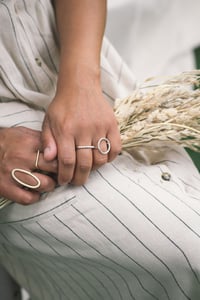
[48,142]
[47,183]
[66,160]
[99,159]
[42,164]
[115,142]
[22,196]
[84,159]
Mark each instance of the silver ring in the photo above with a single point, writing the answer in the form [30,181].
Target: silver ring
[85,147]
[107,144]
[104,152]
[37,185]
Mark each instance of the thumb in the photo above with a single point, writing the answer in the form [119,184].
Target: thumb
[48,142]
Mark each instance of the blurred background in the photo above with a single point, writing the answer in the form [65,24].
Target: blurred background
[156,37]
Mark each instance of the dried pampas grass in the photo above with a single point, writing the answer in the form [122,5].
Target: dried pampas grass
[160,112]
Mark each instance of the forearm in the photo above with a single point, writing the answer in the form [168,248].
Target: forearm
[81,27]
[79,114]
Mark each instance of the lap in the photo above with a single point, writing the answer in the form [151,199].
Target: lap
[126,233]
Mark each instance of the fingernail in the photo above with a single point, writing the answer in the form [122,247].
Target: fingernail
[47,153]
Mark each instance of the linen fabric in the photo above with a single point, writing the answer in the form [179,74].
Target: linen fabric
[127,233]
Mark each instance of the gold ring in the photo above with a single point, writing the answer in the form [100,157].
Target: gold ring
[37,159]
[13,174]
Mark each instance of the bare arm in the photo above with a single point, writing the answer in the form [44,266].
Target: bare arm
[81,28]
[79,113]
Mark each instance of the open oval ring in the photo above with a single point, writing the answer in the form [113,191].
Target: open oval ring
[107,144]
[99,147]
[13,174]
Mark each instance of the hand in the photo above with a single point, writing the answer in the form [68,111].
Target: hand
[18,148]
[80,116]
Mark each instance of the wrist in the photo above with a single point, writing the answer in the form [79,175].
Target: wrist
[79,75]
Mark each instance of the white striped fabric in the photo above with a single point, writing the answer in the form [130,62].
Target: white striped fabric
[127,233]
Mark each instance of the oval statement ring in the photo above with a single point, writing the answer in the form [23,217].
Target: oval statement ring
[37,185]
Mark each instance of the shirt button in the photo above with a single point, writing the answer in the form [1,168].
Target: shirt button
[38,61]
[166,176]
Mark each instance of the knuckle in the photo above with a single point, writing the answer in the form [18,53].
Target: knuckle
[85,126]
[48,184]
[45,182]
[84,167]
[66,127]
[67,161]
[65,178]
[98,125]
[78,182]
[5,168]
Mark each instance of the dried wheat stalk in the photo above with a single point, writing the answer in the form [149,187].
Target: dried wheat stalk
[161,113]
[158,114]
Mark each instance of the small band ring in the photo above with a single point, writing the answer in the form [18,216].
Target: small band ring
[99,148]
[37,159]
[37,185]
[85,147]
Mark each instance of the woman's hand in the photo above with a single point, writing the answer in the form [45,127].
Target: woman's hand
[18,149]
[79,117]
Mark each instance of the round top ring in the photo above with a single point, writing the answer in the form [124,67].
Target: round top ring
[99,147]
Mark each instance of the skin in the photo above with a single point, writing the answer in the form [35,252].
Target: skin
[22,155]
[79,113]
